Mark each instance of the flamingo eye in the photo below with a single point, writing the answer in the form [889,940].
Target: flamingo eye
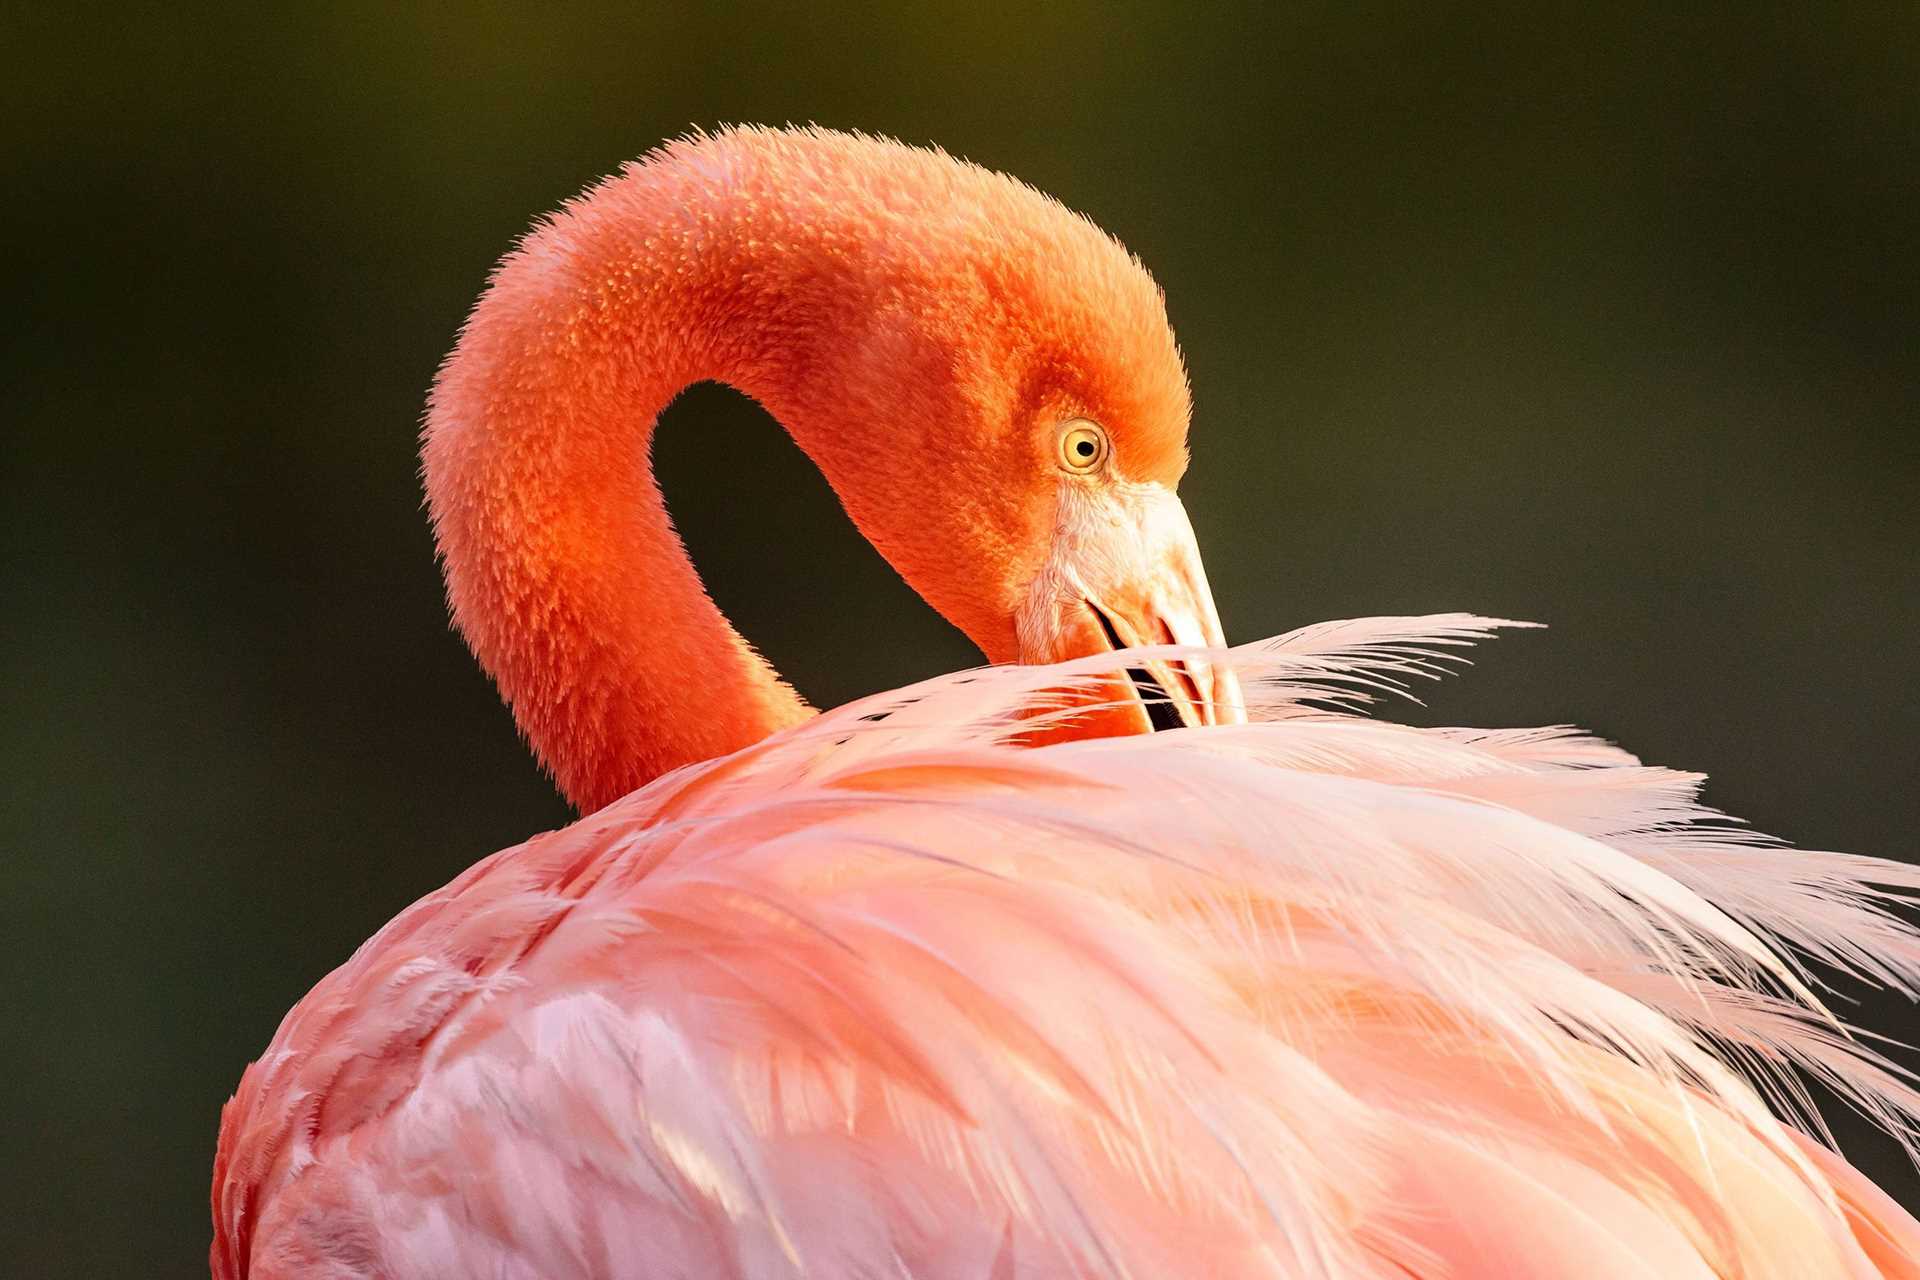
[1083,447]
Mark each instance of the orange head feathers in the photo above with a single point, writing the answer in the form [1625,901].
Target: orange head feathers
[987,380]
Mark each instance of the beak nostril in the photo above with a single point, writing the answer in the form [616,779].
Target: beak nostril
[1106,626]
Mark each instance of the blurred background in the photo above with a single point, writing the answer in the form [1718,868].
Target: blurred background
[1611,321]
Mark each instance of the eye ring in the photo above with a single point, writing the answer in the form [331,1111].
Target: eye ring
[1084,447]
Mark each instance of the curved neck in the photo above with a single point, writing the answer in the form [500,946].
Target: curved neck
[563,569]
[906,317]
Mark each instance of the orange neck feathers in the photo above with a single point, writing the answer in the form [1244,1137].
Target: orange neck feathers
[903,316]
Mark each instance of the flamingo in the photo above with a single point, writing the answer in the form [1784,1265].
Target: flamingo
[977,978]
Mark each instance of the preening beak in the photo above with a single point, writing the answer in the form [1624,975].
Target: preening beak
[1125,573]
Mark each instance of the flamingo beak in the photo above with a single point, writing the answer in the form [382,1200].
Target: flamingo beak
[1126,575]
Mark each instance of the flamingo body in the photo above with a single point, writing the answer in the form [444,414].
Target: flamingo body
[936,985]
[1276,1000]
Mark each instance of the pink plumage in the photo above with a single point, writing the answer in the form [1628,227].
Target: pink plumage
[931,985]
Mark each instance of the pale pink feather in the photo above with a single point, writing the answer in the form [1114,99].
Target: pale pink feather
[892,995]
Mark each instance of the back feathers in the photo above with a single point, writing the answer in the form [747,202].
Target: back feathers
[888,995]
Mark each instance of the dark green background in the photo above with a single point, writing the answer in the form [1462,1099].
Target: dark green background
[1605,321]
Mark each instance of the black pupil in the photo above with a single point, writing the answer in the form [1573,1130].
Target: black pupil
[1084,448]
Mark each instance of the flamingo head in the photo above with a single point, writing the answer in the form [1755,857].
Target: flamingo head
[1002,407]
